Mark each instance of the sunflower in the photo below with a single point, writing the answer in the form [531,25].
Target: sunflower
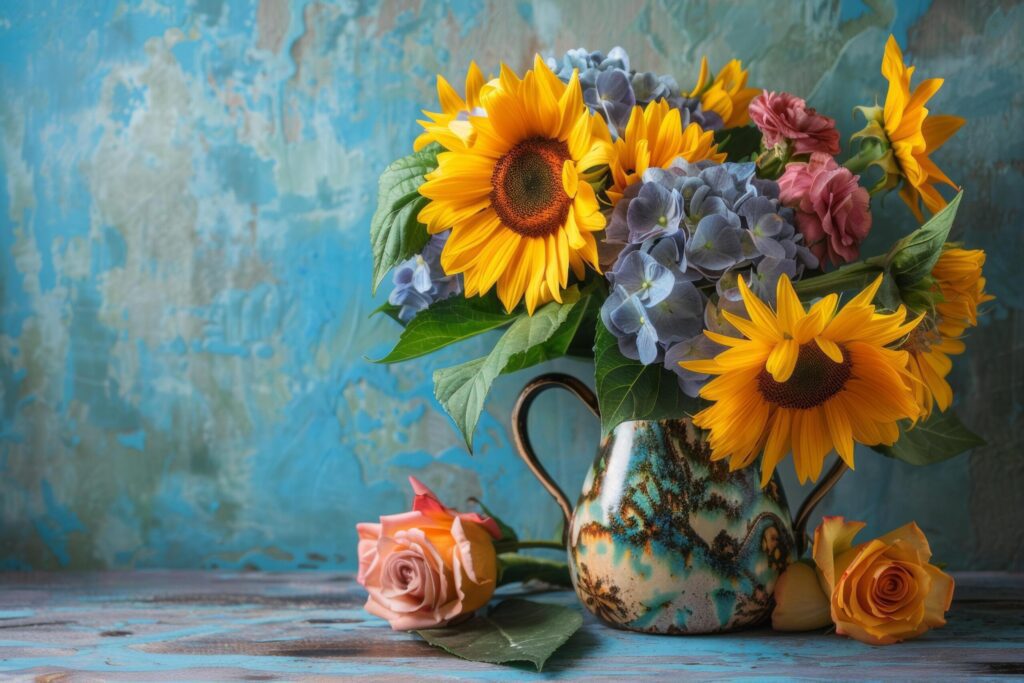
[912,134]
[805,381]
[726,94]
[451,127]
[961,289]
[654,138]
[521,217]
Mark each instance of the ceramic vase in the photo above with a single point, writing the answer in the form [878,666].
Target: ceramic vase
[662,538]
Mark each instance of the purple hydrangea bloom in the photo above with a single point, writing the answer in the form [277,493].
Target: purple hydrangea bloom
[589,64]
[640,275]
[651,306]
[627,319]
[613,98]
[650,87]
[612,88]
[655,212]
[721,223]
[420,280]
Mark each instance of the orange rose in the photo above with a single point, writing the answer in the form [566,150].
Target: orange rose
[427,567]
[800,604]
[883,591]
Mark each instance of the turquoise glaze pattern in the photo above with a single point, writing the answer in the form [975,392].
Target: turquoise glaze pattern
[663,540]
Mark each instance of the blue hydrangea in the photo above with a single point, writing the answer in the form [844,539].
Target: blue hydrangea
[612,97]
[420,280]
[707,225]
[650,306]
[612,88]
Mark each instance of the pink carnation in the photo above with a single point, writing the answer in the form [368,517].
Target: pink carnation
[831,207]
[787,117]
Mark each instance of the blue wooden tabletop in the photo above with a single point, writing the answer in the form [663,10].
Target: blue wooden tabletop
[156,625]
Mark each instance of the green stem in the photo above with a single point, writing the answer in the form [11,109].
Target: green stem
[853,276]
[525,545]
[870,152]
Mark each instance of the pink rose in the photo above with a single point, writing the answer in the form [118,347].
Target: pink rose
[787,117]
[831,207]
[427,567]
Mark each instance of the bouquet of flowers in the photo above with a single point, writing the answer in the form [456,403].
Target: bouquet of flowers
[701,244]
[675,236]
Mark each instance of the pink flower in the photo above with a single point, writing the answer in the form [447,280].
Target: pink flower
[787,117]
[427,567]
[831,207]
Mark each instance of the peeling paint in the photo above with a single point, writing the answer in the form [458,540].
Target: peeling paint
[184,272]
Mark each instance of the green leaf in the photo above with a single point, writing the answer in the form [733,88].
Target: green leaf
[446,322]
[630,390]
[395,234]
[888,296]
[390,310]
[508,534]
[914,256]
[514,631]
[739,143]
[558,344]
[940,437]
[513,568]
[462,389]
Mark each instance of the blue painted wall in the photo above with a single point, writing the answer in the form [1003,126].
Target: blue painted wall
[184,265]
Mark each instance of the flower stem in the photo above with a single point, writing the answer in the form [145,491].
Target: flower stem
[870,152]
[514,546]
[852,276]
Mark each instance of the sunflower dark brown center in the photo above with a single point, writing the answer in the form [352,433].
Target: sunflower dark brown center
[526,187]
[815,379]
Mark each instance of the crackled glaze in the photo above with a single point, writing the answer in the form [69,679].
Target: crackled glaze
[663,540]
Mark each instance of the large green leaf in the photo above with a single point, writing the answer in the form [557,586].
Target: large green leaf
[514,567]
[940,437]
[447,322]
[514,631]
[395,234]
[558,345]
[630,390]
[462,389]
[740,144]
[914,256]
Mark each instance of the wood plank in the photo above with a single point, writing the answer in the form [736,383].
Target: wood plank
[166,625]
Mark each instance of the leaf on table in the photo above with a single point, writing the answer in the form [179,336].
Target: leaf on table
[447,322]
[395,232]
[462,389]
[940,437]
[629,390]
[514,631]
[514,567]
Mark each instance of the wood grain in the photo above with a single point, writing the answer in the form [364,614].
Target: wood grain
[161,625]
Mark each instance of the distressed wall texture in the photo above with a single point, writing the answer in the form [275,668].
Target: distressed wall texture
[185,264]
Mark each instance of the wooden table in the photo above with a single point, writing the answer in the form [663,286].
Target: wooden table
[187,625]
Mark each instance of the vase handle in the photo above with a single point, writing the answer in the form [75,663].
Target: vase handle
[819,491]
[521,436]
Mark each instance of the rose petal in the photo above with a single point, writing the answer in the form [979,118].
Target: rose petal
[912,536]
[800,604]
[369,534]
[939,598]
[832,537]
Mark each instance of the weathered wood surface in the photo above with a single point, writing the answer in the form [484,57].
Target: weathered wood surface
[149,625]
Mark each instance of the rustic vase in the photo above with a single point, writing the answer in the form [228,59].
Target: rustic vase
[662,538]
